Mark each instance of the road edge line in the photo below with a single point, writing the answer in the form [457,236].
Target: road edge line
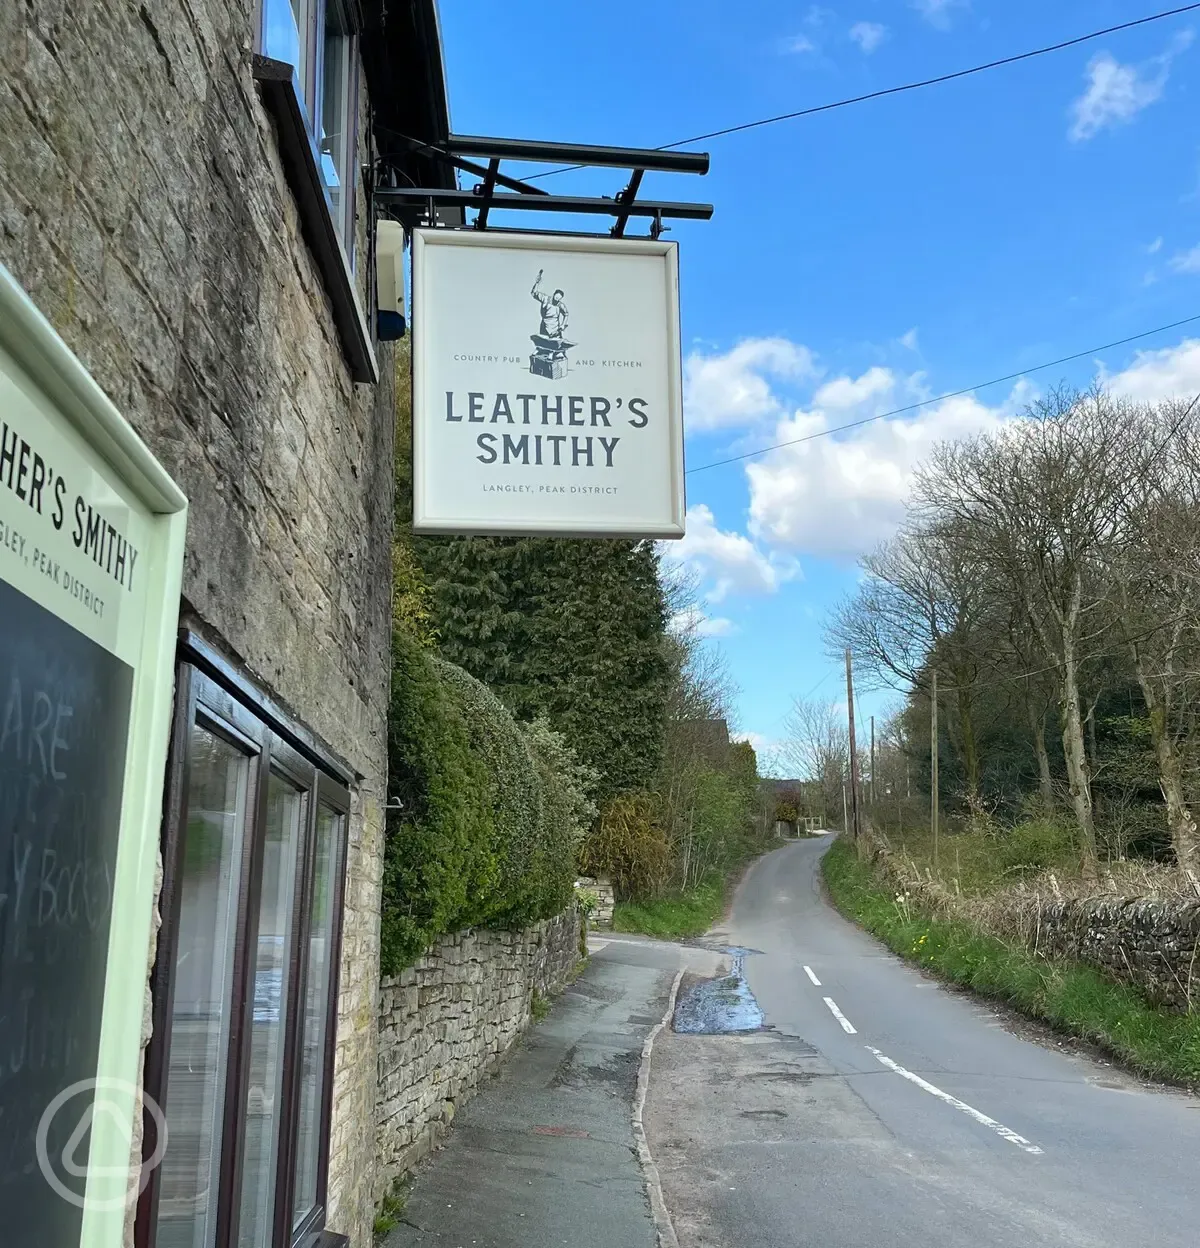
[658,1206]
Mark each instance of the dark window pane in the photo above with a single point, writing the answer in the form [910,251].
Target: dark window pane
[282,836]
[317,1005]
[208,865]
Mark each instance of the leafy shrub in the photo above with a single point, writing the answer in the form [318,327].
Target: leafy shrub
[514,796]
[629,846]
[1035,845]
[438,867]
[566,813]
[491,814]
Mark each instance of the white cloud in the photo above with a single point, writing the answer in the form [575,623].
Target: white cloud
[799,43]
[1116,93]
[694,621]
[909,340]
[1152,249]
[839,496]
[1171,373]
[868,35]
[936,12]
[846,392]
[767,750]
[733,389]
[1187,261]
[730,562]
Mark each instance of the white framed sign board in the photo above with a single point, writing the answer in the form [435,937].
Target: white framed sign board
[92,534]
[547,385]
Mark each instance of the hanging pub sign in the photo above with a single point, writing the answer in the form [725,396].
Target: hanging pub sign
[91,556]
[547,392]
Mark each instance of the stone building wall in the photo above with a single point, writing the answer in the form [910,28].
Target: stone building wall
[446,1021]
[144,207]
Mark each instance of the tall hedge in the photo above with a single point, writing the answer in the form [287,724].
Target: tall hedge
[572,630]
[491,810]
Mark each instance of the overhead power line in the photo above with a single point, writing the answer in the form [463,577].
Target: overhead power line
[941,398]
[907,86]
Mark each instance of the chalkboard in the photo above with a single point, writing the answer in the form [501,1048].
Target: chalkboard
[64,723]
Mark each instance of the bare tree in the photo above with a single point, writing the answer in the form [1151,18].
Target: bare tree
[1040,501]
[817,746]
[1154,577]
[926,600]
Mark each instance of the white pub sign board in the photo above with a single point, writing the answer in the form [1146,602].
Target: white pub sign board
[547,388]
[92,536]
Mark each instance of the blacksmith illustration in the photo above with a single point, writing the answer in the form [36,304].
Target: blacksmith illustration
[554,309]
[550,355]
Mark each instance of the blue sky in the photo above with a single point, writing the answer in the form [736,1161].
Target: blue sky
[865,258]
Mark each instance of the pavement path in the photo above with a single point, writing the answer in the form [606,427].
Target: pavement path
[879,1108]
[544,1155]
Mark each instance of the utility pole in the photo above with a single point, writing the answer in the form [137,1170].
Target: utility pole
[854,815]
[872,760]
[933,768]
[845,816]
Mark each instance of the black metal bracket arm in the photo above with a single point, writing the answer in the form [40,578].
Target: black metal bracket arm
[423,195]
[415,205]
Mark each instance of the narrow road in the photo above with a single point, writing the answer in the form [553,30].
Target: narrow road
[879,1108]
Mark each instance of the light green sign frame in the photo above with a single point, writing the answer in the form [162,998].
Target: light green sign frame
[49,374]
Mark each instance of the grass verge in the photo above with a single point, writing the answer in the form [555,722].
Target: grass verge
[1072,998]
[676,915]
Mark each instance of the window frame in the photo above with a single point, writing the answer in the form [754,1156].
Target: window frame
[215,696]
[331,236]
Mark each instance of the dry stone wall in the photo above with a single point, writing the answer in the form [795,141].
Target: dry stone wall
[446,1021]
[606,900]
[1151,945]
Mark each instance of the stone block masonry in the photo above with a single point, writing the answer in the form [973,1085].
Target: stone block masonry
[602,916]
[145,206]
[448,1020]
[1151,945]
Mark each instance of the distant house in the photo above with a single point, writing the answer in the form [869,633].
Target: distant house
[802,796]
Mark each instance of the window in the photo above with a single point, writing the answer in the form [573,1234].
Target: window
[315,38]
[307,64]
[335,129]
[245,983]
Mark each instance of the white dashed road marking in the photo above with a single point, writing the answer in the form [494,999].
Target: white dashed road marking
[847,1026]
[1011,1136]
[809,972]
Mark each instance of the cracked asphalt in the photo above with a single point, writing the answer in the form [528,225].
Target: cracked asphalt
[878,1108]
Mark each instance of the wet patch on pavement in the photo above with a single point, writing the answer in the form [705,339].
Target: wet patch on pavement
[722,1006]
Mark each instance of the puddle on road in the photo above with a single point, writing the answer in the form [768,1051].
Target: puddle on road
[721,1006]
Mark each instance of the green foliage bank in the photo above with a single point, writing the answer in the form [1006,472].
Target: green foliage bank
[1072,998]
